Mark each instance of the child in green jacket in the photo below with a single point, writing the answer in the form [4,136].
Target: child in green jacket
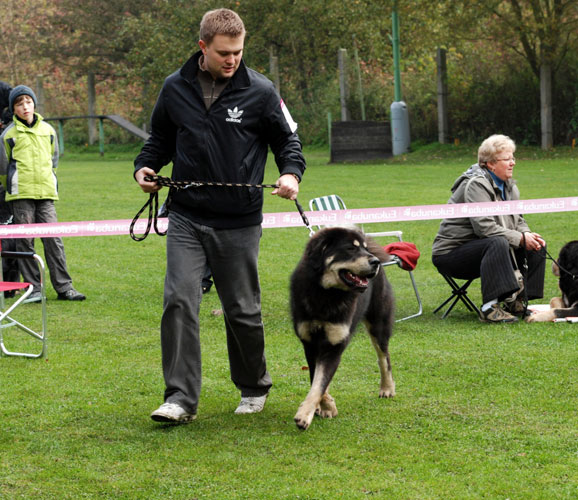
[28,158]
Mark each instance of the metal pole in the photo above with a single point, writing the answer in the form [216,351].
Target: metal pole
[396,57]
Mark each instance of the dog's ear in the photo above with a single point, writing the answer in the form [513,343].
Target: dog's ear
[555,269]
[376,249]
[316,249]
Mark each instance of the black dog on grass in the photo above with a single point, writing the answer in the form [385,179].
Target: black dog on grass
[566,268]
[338,283]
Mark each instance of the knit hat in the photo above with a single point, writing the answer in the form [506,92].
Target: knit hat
[17,92]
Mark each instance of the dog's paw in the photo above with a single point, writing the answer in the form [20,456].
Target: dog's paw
[388,391]
[327,407]
[530,318]
[303,422]
[304,416]
[541,317]
[387,388]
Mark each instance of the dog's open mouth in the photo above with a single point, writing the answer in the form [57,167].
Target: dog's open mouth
[353,280]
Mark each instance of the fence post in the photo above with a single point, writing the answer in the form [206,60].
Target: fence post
[359,82]
[274,69]
[40,95]
[442,84]
[91,108]
[329,119]
[101,136]
[60,137]
[343,87]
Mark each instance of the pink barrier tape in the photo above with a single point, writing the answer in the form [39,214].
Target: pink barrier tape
[88,228]
[293,219]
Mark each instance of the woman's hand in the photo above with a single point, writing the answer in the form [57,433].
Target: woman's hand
[532,241]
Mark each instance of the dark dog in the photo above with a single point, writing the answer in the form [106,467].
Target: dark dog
[338,283]
[566,268]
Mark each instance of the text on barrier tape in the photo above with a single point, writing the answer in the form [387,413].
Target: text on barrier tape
[293,219]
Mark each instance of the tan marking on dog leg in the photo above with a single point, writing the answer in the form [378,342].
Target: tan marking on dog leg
[327,407]
[541,317]
[306,411]
[336,332]
[387,384]
[557,303]
[304,330]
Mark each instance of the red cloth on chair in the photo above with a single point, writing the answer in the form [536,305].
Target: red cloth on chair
[407,252]
[8,286]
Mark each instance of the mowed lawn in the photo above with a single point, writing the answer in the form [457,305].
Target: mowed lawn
[482,411]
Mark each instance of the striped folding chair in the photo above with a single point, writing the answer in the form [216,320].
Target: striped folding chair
[329,202]
[335,202]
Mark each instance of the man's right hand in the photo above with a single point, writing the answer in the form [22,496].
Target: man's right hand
[147,187]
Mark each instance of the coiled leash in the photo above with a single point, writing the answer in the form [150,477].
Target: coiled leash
[153,216]
[153,201]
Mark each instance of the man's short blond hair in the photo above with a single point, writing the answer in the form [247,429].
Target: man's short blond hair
[221,22]
[493,145]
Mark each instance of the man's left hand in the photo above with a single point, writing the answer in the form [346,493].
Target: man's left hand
[287,187]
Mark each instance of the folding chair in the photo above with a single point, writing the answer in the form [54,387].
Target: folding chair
[334,202]
[329,202]
[7,321]
[459,293]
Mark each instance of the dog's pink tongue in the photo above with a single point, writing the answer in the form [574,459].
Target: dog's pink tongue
[358,280]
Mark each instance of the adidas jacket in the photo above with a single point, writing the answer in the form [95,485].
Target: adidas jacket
[227,143]
[28,157]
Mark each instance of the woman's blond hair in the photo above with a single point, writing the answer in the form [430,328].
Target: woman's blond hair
[493,145]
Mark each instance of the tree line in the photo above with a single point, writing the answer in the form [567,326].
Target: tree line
[512,64]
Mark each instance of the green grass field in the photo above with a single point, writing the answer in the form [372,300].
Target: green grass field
[482,411]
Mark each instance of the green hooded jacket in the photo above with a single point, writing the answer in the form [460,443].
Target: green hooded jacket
[28,159]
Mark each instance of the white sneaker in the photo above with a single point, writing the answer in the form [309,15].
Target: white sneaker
[172,412]
[251,404]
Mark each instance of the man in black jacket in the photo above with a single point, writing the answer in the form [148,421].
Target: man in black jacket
[215,119]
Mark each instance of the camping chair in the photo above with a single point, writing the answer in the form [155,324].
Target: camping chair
[329,202]
[7,321]
[459,293]
[334,202]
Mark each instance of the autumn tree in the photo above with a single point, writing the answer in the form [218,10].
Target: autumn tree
[23,23]
[88,38]
[542,32]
